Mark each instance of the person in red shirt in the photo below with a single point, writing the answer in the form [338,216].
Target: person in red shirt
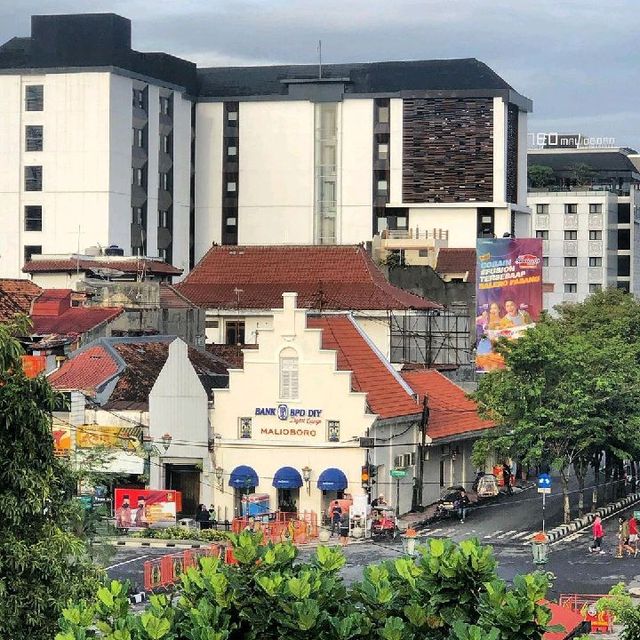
[598,534]
[633,534]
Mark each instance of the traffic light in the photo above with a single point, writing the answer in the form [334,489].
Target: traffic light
[365,475]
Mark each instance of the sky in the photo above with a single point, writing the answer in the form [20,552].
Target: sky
[578,60]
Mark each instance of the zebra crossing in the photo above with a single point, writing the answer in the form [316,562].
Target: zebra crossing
[501,536]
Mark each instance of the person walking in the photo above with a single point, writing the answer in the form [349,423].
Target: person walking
[463,502]
[506,476]
[344,529]
[633,534]
[202,517]
[336,514]
[598,534]
[623,538]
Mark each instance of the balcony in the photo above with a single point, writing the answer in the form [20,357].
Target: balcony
[420,246]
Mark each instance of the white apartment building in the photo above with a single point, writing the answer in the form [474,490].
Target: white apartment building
[103,145]
[95,144]
[590,232]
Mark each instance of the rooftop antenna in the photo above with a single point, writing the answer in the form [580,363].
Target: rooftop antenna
[319,59]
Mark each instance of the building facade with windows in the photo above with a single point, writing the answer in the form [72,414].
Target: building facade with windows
[95,143]
[103,145]
[591,230]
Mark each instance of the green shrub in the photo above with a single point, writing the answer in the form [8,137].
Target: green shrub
[451,592]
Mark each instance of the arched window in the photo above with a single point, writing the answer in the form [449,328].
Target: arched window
[288,374]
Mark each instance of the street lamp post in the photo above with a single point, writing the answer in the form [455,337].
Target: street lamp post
[219,472]
[166,441]
[306,476]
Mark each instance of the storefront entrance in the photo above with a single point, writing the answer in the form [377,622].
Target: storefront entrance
[186,479]
[288,500]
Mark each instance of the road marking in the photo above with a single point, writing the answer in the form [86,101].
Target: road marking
[520,534]
[119,564]
[506,534]
[495,533]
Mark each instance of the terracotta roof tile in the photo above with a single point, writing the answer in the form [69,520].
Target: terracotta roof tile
[232,355]
[171,298]
[386,395]
[452,412]
[86,371]
[130,265]
[452,260]
[74,321]
[16,297]
[325,277]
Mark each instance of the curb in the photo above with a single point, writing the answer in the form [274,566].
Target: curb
[562,531]
[158,544]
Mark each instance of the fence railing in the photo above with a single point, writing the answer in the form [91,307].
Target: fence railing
[585,605]
[166,571]
[280,527]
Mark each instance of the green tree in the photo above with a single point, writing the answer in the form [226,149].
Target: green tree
[540,176]
[568,392]
[582,174]
[451,592]
[42,565]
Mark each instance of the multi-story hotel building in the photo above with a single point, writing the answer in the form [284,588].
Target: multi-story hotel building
[102,145]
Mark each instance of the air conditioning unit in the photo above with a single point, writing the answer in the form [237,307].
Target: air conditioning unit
[113,250]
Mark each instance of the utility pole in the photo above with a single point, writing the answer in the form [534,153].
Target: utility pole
[424,421]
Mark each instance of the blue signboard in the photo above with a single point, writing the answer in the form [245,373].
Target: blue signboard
[544,483]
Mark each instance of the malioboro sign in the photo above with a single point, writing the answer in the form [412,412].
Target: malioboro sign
[292,416]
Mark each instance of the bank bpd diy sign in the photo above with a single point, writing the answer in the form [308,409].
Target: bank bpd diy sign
[309,417]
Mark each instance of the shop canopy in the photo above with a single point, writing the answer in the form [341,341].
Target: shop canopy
[287,478]
[243,477]
[332,480]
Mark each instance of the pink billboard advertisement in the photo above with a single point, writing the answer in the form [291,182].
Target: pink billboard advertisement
[508,294]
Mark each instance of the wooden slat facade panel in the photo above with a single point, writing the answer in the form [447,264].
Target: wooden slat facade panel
[447,150]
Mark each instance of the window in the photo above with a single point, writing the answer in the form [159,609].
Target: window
[137,177]
[333,430]
[571,208]
[624,265]
[33,138]
[545,261]
[383,114]
[595,235]
[423,253]
[231,222]
[138,138]
[164,181]
[166,144]
[594,261]
[231,187]
[383,151]
[624,239]
[570,287]
[232,116]
[211,324]
[34,97]
[33,218]
[382,186]
[571,262]
[232,150]
[137,215]
[32,250]
[288,375]
[570,235]
[623,286]
[542,208]
[138,98]
[163,219]
[595,208]
[165,105]
[542,234]
[245,427]
[595,287]
[235,332]
[33,178]
[624,213]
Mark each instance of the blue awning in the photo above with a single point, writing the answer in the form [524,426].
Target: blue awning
[332,480]
[243,477]
[287,478]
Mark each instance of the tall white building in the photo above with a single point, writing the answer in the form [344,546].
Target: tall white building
[590,231]
[95,143]
[103,145]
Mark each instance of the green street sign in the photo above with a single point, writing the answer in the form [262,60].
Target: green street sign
[398,473]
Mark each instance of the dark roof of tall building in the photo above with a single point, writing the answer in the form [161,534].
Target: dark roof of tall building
[324,277]
[465,74]
[387,394]
[452,260]
[597,160]
[16,297]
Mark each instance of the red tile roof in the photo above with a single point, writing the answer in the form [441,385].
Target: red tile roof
[16,297]
[74,321]
[52,302]
[126,265]
[232,355]
[371,374]
[171,298]
[325,277]
[452,412]
[86,371]
[452,260]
